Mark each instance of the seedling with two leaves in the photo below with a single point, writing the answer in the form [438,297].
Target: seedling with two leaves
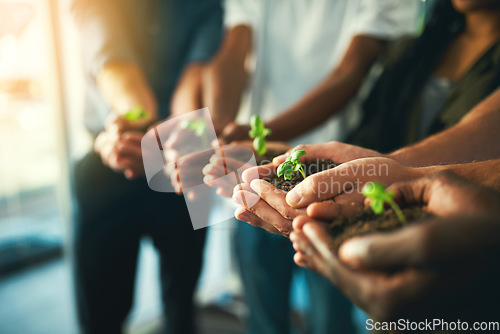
[292,164]
[379,195]
[258,133]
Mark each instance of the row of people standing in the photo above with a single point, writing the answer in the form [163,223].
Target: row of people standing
[295,63]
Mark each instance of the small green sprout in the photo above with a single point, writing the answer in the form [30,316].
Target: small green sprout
[136,114]
[197,126]
[379,196]
[258,133]
[292,164]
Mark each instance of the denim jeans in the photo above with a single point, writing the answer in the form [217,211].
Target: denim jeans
[266,265]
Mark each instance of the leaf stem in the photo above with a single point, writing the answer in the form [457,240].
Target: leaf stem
[301,170]
[398,211]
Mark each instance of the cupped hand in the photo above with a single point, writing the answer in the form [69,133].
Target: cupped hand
[337,191]
[226,165]
[121,152]
[384,297]
[433,265]
[264,206]
[186,174]
[431,262]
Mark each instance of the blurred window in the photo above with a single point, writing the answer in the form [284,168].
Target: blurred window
[30,141]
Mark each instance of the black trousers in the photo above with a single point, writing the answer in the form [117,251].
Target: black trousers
[112,215]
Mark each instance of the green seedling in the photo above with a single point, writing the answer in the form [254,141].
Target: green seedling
[136,114]
[292,164]
[379,195]
[258,133]
[197,126]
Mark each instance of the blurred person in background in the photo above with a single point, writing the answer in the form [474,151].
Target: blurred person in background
[135,54]
[300,63]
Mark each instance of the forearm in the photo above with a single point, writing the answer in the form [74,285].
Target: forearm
[315,107]
[483,172]
[228,75]
[123,86]
[236,46]
[187,96]
[332,94]
[474,138]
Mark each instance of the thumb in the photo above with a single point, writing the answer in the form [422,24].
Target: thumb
[314,188]
[385,250]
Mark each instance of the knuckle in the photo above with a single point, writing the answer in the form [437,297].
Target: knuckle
[288,212]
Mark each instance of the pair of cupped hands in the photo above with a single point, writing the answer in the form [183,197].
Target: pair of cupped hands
[412,272]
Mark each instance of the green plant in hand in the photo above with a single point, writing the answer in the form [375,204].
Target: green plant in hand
[292,164]
[258,133]
[197,126]
[136,114]
[379,195]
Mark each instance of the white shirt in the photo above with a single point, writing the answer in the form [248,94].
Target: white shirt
[298,42]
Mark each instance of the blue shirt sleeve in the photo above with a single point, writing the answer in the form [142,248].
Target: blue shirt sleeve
[207,37]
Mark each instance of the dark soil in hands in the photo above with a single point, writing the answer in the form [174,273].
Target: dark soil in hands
[310,168]
[367,222]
